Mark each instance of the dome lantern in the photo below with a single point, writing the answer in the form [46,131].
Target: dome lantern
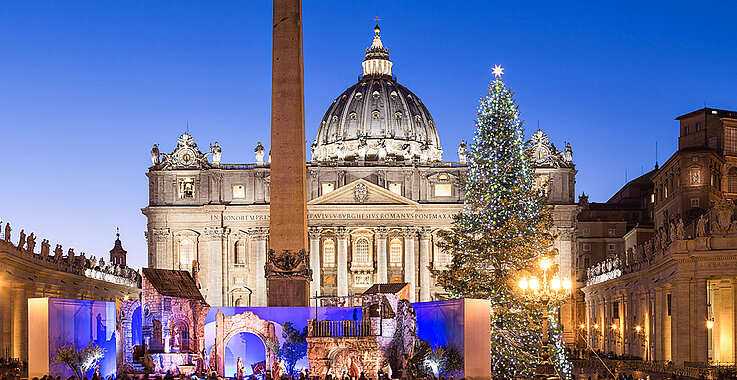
[377,57]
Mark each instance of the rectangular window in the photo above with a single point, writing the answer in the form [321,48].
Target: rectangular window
[328,253]
[442,190]
[239,191]
[327,187]
[685,130]
[652,198]
[668,303]
[586,262]
[730,140]
[396,188]
[612,247]
[167,304]
[615,310]
[186,187]
[395,253]
[694,202]
[586,231]
[698,126]
[611,231]
[586,247]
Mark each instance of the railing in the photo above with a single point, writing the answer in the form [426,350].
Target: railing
[241,166]
[184,345]
[341,329]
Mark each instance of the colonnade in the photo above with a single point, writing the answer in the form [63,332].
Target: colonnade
[681,320]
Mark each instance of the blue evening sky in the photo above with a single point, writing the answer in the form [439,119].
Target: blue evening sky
[86,87]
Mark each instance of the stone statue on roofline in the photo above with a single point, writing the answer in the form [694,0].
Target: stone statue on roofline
[216,153]
[382,152]
[22,240]
[680,230]
[31,242]
[673,234]
[7,231]
[260,152]
[155,155]
[462,153]
[701,226]
[568,153]
[45,248]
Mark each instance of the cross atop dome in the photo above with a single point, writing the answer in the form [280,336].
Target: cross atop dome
[377,56]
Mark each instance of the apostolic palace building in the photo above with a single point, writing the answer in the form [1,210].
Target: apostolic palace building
[378,193]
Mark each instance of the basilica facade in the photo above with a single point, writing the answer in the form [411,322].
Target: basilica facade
[378,193]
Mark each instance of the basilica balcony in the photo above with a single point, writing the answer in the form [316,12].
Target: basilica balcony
[362,267]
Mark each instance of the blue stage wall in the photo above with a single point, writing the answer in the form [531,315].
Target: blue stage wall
[441,323]
[80,322]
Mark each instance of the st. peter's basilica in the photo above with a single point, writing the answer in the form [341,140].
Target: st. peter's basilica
[378,193]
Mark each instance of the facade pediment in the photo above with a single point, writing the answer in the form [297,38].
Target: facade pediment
[361,192]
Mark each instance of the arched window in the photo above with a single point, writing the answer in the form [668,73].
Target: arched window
[732,180]
[186,253]
[240,252]
[395,252]
[239,302]
[328,253]
[363,255]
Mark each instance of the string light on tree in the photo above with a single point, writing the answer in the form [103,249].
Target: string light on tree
[501,231]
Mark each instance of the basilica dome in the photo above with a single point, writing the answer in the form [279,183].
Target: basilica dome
[377,119]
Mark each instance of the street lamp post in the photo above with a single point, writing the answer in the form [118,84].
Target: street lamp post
[545,290]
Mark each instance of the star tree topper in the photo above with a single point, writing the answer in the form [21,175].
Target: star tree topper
[498,71]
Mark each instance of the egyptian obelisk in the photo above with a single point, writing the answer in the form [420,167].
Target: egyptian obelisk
[287,270]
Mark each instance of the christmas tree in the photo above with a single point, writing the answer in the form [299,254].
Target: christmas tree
[501,232]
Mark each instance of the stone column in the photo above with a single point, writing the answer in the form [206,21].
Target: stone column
[681,322]
[216,287]
[724,320]
[382,275]
[314,234]
[700,334]
[258,236]
[660,315]
[342,261]
[288,195]
[410,273]
[425,264]
[19,338]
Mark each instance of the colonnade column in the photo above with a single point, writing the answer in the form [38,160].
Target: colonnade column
[410,275]
[680,321]
[342,234]
[314,235]
[699,347]
[381,267]
[215,252]
[723,330]
[19,321]
[425,264]
[259,235]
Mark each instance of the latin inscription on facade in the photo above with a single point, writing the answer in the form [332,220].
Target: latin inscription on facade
[341,216]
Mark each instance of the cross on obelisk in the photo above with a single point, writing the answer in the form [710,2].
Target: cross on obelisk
[287,271]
